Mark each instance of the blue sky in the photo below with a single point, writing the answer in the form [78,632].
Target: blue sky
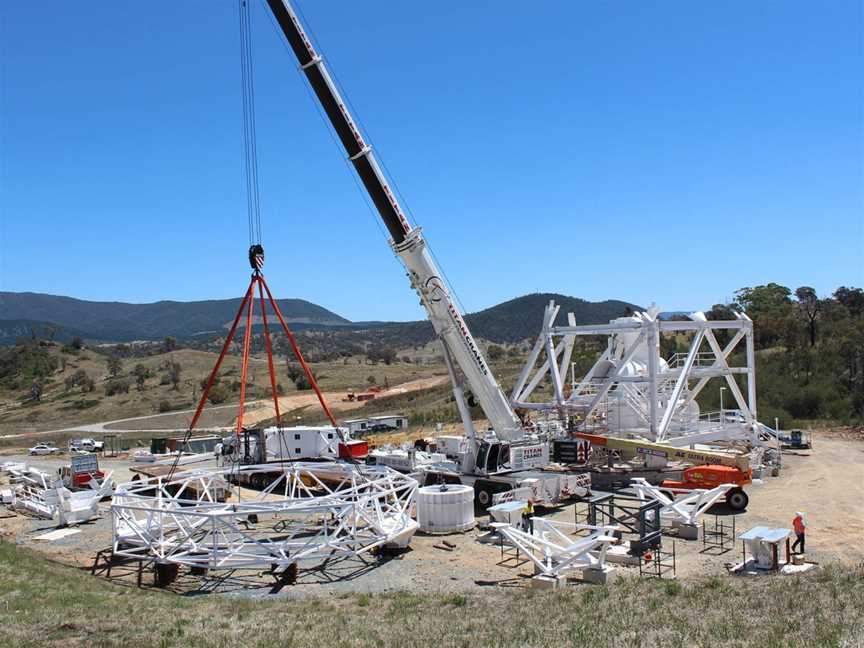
[669,151]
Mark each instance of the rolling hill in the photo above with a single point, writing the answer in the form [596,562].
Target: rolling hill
[510,321]
[122,322]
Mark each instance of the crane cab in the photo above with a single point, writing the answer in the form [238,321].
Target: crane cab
[492,457]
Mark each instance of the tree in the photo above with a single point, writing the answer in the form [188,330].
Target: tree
[50,331]
[174,372]
[769,306]
[115,366]
[294,371]
[495,352]
[218,394]
[371,379]
[762,299]
[117,386]
[808,303]
[169,344]
[36,389]
[77,343]
[852,299]
[141,375]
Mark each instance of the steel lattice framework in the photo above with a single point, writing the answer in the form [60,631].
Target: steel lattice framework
[306,512]
[632,391]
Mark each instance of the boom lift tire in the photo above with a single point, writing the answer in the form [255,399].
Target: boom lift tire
[737,499]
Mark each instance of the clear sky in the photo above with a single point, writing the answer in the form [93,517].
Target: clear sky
[647,151]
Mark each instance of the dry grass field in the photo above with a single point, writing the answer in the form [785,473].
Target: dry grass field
[45,604]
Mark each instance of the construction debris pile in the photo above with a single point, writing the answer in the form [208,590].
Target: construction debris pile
[36,493]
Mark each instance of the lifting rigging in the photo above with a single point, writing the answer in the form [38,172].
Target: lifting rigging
[257,282]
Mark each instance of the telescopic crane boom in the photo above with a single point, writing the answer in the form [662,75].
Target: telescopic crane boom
[407,241]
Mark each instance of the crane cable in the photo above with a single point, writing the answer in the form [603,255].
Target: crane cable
[250,143]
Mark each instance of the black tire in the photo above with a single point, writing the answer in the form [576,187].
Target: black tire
[482,497]
[737,499]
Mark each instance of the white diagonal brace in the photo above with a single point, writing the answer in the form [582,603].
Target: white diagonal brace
[730,379]
[679,385]
[610,380]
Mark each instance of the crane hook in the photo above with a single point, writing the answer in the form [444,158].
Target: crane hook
[256,257]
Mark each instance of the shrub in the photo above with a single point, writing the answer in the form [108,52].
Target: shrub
[218,394]
[165,406]
[116,386]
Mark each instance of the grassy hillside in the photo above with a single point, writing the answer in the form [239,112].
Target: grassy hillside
[43,603]
[65,402]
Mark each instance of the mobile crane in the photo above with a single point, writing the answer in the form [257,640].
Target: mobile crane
[502,459]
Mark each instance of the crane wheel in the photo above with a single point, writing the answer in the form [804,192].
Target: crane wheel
[484,498]
[737,499]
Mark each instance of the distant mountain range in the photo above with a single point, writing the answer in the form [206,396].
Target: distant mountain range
[21,313]
[122,322]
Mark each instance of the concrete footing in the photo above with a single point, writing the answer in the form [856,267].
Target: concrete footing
[545,582]
[603,576]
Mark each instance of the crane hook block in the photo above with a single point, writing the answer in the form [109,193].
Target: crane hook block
[256,257]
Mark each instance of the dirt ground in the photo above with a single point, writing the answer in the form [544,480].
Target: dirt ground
[826,483]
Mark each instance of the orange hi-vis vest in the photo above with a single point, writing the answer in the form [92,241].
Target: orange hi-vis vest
[798,524]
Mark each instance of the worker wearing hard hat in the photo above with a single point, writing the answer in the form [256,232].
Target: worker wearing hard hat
[528,516]
[800,527]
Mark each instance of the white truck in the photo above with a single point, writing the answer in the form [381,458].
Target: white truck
[507,455]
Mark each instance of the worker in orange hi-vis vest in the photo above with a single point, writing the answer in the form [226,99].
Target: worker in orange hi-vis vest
[799,527]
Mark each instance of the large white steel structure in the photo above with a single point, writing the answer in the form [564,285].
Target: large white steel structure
[631,391]
[308,512]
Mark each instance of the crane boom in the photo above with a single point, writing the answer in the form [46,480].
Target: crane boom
[407,241]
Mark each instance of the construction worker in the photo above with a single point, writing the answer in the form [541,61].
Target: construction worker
[528,516]
[799,527]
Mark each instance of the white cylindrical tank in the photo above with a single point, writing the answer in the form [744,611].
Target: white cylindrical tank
[448,508]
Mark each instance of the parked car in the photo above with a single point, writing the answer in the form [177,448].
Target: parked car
[44,449]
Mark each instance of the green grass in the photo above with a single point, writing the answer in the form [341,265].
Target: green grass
[42,603]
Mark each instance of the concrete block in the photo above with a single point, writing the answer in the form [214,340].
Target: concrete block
[688,531]
[603,576]
[544,582]
[619,554]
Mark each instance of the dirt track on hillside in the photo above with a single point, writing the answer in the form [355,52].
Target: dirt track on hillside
[264,410]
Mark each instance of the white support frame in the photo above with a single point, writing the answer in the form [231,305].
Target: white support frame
[554,552]
[660,395]
[308,512]
[686,507]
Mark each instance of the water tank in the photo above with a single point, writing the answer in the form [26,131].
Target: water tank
[448,508]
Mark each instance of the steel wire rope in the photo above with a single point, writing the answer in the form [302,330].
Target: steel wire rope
[250,140]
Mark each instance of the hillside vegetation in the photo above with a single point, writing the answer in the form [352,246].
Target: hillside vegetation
[811,359]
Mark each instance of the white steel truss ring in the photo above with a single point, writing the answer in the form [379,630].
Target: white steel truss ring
[306,511]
